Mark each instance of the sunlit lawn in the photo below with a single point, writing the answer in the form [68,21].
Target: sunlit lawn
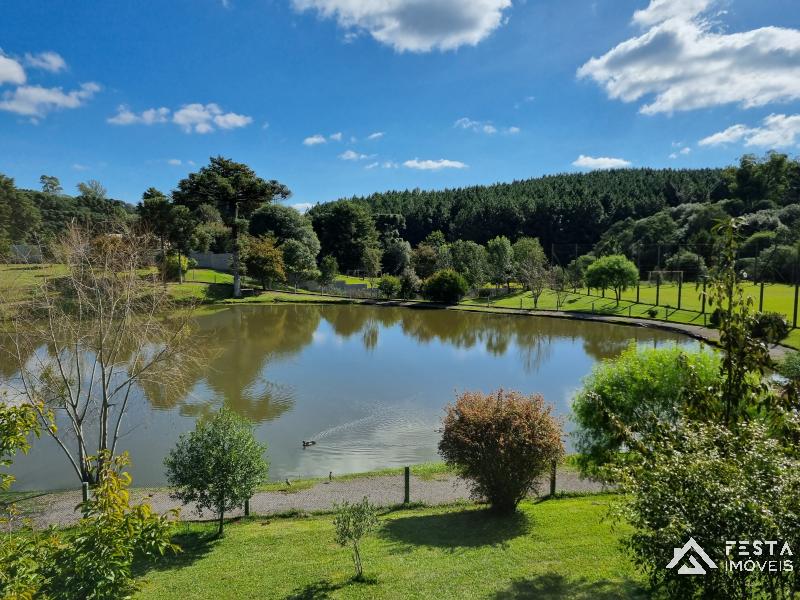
[554,549]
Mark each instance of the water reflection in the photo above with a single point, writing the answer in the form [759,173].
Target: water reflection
[367,383]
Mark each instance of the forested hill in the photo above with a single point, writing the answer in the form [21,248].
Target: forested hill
[566,208]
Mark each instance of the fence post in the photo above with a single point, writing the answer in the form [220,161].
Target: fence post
[85,491]
[638,283]
[680,290]
[658,288]
[761,297]
[247,507]
[705,281]
[553,478]
[796,290]
[407,486]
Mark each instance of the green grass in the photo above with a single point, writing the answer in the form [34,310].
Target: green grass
[350,280]
[553,549]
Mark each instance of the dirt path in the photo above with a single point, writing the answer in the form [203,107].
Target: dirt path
[59,508]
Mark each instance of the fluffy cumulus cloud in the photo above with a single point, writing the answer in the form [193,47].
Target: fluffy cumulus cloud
[35,101]
[593,163]
[314,140]
[11,71]
[775,131]
[682,152]
[48,61]
[375,136]
[434,165]
[204,118]
[414,25]
[192,118]
[681,62]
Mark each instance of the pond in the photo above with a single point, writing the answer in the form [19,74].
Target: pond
[368,384]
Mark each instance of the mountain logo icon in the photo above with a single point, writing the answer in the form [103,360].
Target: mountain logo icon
[691,551]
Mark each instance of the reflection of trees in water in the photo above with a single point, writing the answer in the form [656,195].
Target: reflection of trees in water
[241,341]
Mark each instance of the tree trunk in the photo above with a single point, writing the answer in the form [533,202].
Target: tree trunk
[220,531]
[237,282]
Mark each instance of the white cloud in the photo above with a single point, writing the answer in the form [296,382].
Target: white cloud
[682,63]
[202,118]
[336,137]
[36,101]
[661,10]
[150,116]
[11,71]
[776,131]
[314,140]
[372,165]
[434,165]
[197,118]
[80,167]
[414,25]
[601,162]
[48,61]
[390,164]
[351,155]
[375,136]
[303,207]
[175,162]
[682,151]
[482,126]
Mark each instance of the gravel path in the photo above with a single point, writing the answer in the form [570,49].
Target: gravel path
[59,508]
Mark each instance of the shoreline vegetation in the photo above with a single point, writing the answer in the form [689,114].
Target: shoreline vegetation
[211,289]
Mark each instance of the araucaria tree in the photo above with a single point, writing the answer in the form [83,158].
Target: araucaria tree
[236,191]
[217,466]
[502,443]
[88,340]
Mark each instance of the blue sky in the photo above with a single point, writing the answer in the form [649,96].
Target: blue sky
[396,93]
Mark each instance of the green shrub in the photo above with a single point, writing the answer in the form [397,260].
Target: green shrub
[389,286]
[652,312]
[217,466]
[771,327]
[632,393]
[502,442]
[446,286]
[96,562]
[409,283]
[789,367]
[170,266]
[706,482]
[351,523]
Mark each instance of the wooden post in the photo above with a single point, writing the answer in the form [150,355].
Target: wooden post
[638,283]
[705,281]
[680,290]
[553,466]
[407,486]
[247,507]
[658,288]
[761,297]
[85,491]
[796,290]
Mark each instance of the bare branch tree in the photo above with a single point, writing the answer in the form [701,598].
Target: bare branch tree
[90,338]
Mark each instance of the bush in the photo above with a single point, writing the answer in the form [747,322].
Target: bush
[502,442]
[446,286]
[712,484]
[217,466]
[652,312]
[635,391]
[351,523]
[97,561]
[389,286]
[169,267]
[409,283]
[771,327]
[789,367]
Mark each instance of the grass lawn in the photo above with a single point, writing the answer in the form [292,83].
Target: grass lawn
[552,549]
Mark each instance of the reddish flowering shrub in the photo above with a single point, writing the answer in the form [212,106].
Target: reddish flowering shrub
[502,442]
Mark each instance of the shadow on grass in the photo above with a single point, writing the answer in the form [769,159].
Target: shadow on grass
[470,528]
[217,291]
[323,588]
[551,586]
[194,546]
